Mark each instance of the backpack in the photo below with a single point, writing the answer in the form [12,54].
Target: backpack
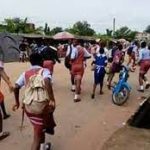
[35,97]
[67,59]
[117,57]
[129,50]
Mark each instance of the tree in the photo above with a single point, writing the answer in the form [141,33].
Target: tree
[2,28]
[125,33]
[147,29]
[10,25]
[39,30]
[17,25]
[56,30]
[47,29]
[108,32]
[82,28]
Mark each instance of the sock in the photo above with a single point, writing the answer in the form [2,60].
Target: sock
[76,96]
[147,82]
[42,146]
[73,87]
[1,133]
[142,87]
[107,83]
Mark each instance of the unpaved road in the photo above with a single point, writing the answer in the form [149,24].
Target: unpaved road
[80,126]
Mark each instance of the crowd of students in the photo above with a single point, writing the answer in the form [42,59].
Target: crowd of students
[43,61]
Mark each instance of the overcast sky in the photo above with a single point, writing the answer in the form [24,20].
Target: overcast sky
[99,13]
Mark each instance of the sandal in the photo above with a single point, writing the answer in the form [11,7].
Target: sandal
[4,135]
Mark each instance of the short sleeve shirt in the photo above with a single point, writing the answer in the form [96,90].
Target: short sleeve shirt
[21,80]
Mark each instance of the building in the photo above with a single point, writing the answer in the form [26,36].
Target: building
[143,36]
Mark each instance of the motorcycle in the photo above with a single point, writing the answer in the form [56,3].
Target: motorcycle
[121,91]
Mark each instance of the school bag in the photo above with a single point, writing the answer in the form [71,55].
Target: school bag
[67,59]
[35,97]
[117,57]
[130,50]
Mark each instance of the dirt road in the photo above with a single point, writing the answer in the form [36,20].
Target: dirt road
[80,126]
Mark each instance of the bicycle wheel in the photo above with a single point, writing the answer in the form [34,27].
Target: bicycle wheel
[121,97]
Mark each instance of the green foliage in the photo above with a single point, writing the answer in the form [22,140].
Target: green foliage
[82,29]
[109,32]
[125,33]
[56,30]
[39,30]
[104,38]
[47,29]
[147,30]
[2,28]
[17,25]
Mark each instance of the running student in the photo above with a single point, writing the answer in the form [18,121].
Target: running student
[99,63]
[7,80]
[144,62]
[118,59]
[71,47]
[39,114]
[50,57]
[78,57]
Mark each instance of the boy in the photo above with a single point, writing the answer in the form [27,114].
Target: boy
[99,70]
[39,121]
[144,62]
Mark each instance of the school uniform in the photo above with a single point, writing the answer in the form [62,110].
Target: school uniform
[144,59]
[39,121]
[1,94]
[100,61]
[78,56]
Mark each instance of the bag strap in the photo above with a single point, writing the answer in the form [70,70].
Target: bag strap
[40,71]
[70,51]
[22,119]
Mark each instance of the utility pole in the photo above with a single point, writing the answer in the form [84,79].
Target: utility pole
[114,25]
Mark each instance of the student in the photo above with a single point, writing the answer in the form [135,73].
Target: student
[41,119]
[99,70]
[50,57]
[5,77]
[2,105]
[71,47]
[132,52]
[118,59]
[144,62]
[78,57]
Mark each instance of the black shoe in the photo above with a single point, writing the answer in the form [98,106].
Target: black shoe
[109,87]
[92,96]
[140,90]
[101,92]
[72,90]
[6,116]
[77,100]
[4,135]
[147,86]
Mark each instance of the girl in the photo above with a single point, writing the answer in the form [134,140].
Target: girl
[99,70]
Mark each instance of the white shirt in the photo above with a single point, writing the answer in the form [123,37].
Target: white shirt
[1,64]
[144,54]
[68,49]
[21,80]
[74,53]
